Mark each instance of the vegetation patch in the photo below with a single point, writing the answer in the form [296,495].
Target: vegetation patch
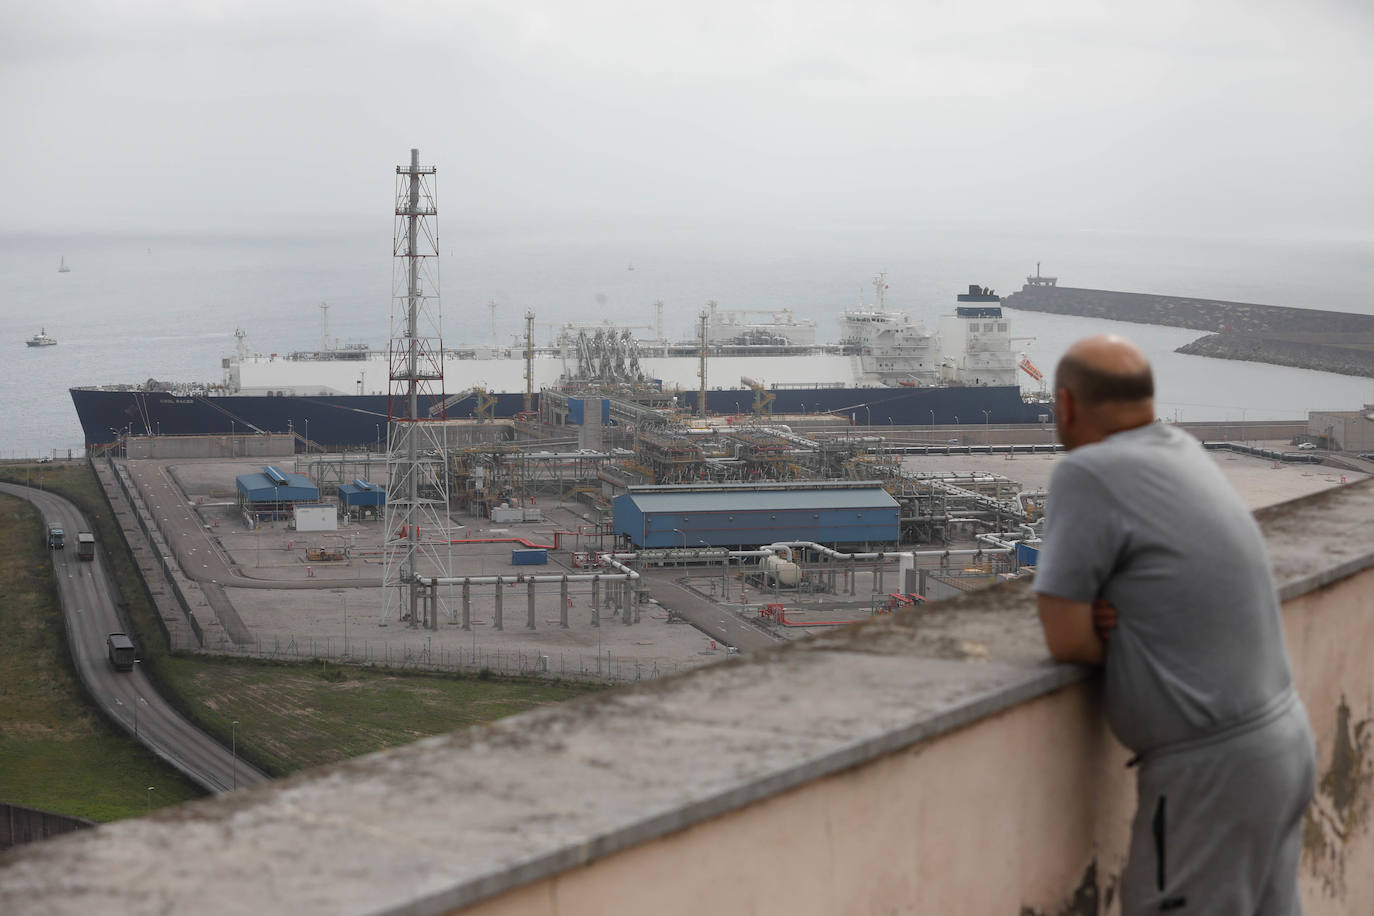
[293,716]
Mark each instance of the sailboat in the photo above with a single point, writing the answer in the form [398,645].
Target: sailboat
[63,268]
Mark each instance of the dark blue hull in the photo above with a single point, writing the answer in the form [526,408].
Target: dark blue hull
[360,420]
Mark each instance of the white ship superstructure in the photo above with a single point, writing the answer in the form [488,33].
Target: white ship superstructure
[878,347]
[976,343]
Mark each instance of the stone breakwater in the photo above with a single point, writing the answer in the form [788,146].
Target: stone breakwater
[1341,342]
[1257,348]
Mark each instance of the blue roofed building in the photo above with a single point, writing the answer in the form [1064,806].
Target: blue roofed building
[730,515]
[271,493]
[361,499]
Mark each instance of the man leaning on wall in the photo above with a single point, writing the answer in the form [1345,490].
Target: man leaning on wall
[1153,567]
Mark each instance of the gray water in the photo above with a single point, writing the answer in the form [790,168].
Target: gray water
[137,307]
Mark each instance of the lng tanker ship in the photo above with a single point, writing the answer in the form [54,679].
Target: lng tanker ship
[886,369]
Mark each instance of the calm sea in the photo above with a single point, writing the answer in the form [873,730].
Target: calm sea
[137,307]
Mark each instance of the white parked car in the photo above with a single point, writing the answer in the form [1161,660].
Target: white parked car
[1307,446]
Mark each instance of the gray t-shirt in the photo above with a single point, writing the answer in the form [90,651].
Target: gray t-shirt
[1147,520]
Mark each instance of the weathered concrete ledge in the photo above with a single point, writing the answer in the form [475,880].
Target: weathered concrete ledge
[464,817]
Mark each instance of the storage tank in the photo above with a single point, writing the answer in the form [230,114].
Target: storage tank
[784,572]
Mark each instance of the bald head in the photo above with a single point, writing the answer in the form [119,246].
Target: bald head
[1103,385]
[1105,369]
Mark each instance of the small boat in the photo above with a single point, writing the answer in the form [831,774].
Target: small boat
[62,269]
[41,339]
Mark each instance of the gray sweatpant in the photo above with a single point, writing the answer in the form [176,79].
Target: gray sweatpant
[1218,827]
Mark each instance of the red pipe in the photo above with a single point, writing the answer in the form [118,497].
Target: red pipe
[521,541]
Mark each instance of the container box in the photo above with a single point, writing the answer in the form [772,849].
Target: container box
[529,557]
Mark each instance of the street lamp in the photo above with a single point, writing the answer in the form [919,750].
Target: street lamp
[150,798]
[234,749]
[870,414]
[932,418]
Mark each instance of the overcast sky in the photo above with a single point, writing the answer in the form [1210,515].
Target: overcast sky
[1215,118]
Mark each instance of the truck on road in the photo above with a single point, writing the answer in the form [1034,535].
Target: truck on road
[85,545]
[57,538]
[121,651]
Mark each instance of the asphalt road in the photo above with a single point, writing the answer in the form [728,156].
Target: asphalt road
[88,601]
[721,625]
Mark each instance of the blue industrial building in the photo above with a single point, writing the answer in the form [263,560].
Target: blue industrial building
[729,515]
[272,493]
[361,498]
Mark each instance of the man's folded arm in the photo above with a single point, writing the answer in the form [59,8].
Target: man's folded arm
[1069,631]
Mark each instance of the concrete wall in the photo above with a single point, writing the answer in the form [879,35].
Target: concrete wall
[272,445]
[1349,431]
[1026,811]
[932,761]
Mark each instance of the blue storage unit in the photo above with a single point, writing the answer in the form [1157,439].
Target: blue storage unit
[530,557]
[360,494]
[577,410]
[751,514]
[1027,555]
[276,487]
[271,493]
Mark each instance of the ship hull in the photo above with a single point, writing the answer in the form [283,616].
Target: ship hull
[355,421]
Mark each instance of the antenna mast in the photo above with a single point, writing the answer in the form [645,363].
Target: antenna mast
[879,284]
[416,534]
[529,360]
[701,395]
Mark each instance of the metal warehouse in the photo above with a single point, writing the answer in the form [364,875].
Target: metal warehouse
[361,498]
[728,515]
[272,493]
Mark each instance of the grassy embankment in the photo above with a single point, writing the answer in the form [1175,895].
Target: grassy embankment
[56,751]
[291,716]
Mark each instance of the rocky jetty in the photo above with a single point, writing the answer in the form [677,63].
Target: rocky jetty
[1340,342]
[1258,348]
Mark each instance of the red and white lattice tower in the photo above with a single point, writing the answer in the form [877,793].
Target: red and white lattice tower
[417,529]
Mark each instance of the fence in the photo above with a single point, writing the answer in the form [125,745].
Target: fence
[600,668]
[19,824]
